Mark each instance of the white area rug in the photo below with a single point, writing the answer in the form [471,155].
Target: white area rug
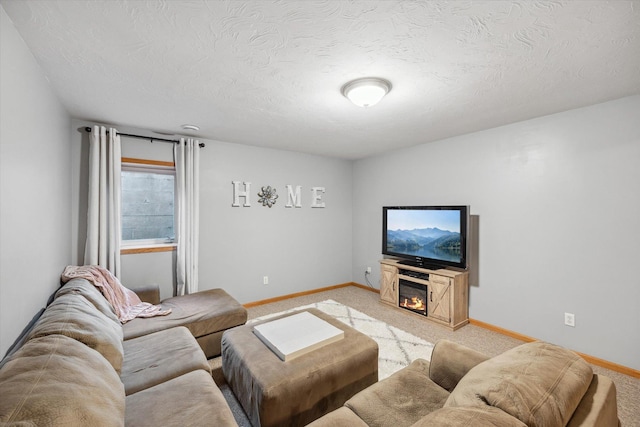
[397,348]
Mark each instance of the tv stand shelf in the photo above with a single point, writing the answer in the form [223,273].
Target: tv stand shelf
[447,291]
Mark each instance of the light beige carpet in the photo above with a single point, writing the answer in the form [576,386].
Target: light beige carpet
[480,339]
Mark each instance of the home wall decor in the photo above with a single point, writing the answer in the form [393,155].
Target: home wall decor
[268,195]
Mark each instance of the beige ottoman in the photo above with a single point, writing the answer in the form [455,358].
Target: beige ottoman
[296,392]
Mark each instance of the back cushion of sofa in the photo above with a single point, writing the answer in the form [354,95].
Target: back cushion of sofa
[56,380]
[75,317]
[539,383]
[92,294]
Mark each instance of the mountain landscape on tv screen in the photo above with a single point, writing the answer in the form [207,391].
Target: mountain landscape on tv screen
[431,242]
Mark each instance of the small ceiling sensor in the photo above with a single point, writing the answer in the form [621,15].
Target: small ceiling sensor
[190,127]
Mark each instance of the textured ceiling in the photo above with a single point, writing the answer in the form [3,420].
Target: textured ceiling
[269,73]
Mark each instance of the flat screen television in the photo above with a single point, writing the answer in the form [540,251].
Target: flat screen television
[426,236]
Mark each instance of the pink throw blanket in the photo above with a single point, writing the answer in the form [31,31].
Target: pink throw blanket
[124,301]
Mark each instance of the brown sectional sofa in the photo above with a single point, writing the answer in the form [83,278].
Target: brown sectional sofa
[535,384]
[76,366]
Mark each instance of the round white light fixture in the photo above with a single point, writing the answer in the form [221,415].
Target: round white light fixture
[191,127]
[367,91]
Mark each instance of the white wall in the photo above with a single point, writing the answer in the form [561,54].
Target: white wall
[34,186]
[297,248]
[558,200]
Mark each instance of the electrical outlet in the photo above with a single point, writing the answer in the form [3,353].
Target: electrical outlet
[570,319]
[368,270]
[265,280]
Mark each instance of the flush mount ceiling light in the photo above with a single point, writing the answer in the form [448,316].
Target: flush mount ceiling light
[367,91]
[190,127]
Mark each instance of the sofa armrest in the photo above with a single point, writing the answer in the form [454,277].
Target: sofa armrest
[148,293]
[450,362]
[599,406]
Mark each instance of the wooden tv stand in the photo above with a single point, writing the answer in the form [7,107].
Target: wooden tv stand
[447,291]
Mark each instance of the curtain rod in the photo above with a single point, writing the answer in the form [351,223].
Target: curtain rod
[150,138]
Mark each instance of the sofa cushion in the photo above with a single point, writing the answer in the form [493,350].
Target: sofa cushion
[341,417]
[92,294]
[155,358]
[476,416]
[191,399]
[400,399]
[56,380]
[539,383]
[75,317]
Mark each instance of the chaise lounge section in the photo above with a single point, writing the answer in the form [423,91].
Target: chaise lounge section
[207,314]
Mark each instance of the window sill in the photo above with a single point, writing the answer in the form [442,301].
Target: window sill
[168,247]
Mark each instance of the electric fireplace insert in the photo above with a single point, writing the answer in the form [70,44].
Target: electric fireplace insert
[412,297]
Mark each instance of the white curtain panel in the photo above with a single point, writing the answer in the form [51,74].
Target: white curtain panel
[187,160]
[103,216]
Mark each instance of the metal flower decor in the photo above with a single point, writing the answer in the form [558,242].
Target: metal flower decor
[267,196]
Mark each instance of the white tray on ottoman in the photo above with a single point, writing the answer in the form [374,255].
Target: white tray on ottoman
[292,336]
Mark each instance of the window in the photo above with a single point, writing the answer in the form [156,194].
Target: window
[148,189]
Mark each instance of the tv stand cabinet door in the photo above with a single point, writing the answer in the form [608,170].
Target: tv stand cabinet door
[439,298]
[389,284]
